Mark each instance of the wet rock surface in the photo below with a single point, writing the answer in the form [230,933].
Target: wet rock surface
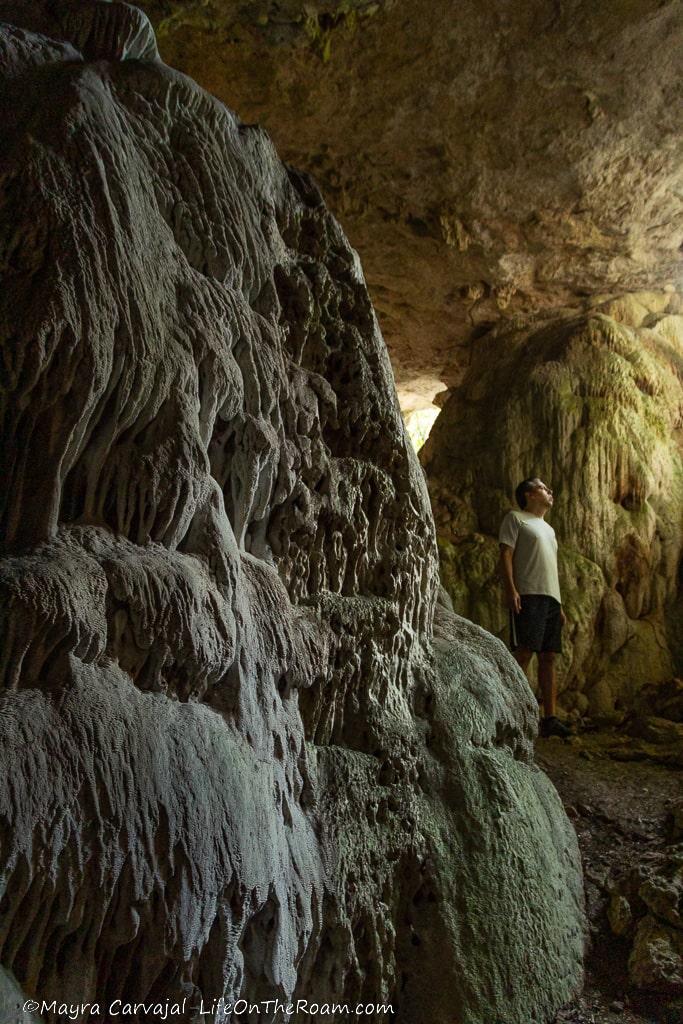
[242,751]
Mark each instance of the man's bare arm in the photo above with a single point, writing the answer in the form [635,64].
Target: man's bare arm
[513,600]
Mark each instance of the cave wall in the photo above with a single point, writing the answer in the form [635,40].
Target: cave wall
[594,406]
[243,750]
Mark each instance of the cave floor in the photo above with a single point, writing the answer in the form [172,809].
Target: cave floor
[620,811]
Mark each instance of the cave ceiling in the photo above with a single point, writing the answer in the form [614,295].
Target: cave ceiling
[488,160]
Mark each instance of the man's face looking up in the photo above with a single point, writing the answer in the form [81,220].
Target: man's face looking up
[540,497]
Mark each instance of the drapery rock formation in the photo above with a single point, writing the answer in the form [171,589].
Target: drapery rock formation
[593,405]
[244,753]
[487,159]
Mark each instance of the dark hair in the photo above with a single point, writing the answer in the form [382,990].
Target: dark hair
[521,490]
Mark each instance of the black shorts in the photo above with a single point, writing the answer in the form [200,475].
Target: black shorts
[538,627]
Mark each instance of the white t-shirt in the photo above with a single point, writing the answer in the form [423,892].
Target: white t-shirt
[534,562]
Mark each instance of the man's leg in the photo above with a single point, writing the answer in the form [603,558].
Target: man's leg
[526,636]
[547,681]
[522,656]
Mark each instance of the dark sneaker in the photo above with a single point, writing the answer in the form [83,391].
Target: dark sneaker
[552,726]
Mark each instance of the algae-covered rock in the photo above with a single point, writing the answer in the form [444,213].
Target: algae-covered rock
[593,405]
[469,572]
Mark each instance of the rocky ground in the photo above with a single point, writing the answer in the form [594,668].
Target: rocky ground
[626,809]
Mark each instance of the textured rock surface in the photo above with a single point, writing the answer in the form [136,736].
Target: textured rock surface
[594,405]
[646,906]
[12,1001]
[656,961]
[486,159]
[623,816]
[239,754]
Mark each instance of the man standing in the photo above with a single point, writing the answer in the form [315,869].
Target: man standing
[528,559]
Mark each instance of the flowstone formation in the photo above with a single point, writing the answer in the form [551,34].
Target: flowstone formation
[244,752]
[593,405]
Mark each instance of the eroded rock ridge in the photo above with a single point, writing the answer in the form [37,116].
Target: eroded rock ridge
[243,751]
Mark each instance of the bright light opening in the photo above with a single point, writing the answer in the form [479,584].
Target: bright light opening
[419,423]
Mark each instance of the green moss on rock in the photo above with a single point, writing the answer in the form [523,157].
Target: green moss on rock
[594,407]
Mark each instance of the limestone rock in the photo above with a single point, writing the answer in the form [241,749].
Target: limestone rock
[593,406]
[237,758]
[663,894]
[659,731]
[650,897]
[619,914]
[656,962]
[664,701]
[488,162]
[12,1002]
